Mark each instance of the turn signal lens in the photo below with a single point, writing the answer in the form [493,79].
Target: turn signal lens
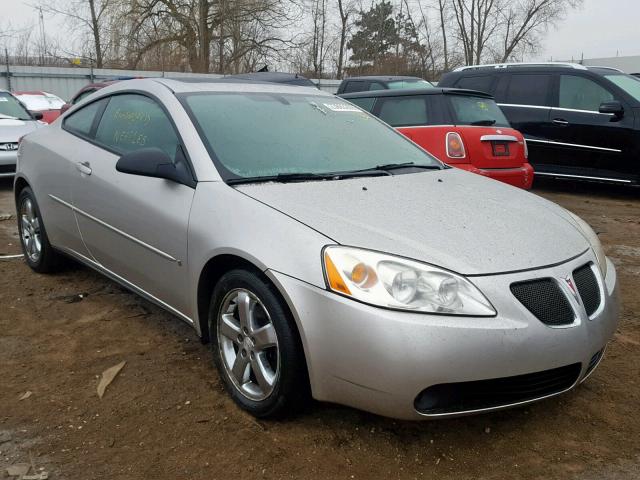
[455,147]
[335,280]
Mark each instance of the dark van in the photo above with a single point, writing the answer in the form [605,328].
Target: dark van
[579,122]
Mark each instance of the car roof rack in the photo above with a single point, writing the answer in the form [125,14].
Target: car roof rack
[577,66]
[606,68]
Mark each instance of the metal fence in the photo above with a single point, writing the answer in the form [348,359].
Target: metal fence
[65,82]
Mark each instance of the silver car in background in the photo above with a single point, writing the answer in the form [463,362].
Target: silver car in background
[15,122]
[318,250]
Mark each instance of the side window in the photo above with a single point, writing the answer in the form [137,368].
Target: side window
[364,103]
[81,121]
[580,93]
[403,111]
[481,83]
[376,86]
[529,89]
[354,86]
[131,122]
[82,95]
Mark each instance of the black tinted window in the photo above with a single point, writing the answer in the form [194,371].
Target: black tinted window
[403,111]
[131,122]
[364,103]
[354,86]
[530,89]
[81,121]
[376,86]
[82,95]
[580,93]
[480,83]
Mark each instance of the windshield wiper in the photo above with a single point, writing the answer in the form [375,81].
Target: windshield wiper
[386,168]
[283,178]
[7,117]
[483,123]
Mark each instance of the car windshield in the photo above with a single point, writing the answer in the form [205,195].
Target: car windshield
[402,84]
[10,107]
[628,83]
[477,111]
[267,134]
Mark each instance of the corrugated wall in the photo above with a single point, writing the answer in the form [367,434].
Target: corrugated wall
[65,82]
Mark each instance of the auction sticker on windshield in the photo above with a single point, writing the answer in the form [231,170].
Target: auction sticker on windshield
[341,107]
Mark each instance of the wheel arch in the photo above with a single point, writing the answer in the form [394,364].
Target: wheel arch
[19,184]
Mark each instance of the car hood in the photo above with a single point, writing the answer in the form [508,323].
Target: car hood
[449,218]
[11,130]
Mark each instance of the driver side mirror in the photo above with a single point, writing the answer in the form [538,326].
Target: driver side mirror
[36,115]
[153,162]
[614,108]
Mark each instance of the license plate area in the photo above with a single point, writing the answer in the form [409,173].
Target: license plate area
[500,149]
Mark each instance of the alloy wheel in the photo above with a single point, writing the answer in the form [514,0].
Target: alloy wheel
[248,344]
[30,233]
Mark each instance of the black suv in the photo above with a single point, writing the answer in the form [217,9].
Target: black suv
[362,84]
[580,122]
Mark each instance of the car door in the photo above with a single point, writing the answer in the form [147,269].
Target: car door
[592,143]
[135,227]
[525,99]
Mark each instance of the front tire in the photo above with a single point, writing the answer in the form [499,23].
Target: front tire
[255,345]
[38,252]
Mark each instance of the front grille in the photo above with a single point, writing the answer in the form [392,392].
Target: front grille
[587,286]
[459,397]
[544,299]
[7,169]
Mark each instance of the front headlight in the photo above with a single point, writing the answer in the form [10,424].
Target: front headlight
[593,240]
[394,282]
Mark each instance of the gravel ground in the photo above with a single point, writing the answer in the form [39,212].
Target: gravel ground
[166,415]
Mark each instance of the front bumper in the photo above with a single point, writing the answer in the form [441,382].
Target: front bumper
[521,177]
[8,162]
[380,360]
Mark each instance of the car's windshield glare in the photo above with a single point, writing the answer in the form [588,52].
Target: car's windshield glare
[10,107]
[477,111]
[408,84]
[268,134]
[628,83]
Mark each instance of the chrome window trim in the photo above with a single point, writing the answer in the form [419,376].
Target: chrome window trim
[550,142]
[543,107]
[581,111]
[116,230]
[586,177]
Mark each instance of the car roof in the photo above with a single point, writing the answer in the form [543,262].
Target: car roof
[274,77]
[504,68]
[384,77]
[30,92]
[199,84]
[416,91]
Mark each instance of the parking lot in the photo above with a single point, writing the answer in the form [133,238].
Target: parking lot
[166,415]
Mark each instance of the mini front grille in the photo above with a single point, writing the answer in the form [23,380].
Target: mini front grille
[449,398]
[587,286]
[544,299]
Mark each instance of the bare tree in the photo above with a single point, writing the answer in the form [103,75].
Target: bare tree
[345,9]
[89,15]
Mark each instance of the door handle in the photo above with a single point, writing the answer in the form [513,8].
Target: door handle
[561,122]
[84,167]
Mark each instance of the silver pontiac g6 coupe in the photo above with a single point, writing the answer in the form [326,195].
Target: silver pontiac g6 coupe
[317,250]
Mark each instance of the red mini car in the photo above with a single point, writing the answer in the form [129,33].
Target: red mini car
[463,128]
[44,102]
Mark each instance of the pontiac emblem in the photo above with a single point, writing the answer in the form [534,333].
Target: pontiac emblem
[572,287]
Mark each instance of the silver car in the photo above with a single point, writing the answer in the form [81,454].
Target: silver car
[317,250]
[15,122]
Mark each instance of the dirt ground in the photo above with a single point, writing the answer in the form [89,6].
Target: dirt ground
[166,415]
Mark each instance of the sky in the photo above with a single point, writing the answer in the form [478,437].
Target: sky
[601,28]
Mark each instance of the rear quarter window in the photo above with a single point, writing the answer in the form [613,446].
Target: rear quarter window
[481,83]
[364,103]
[403,111]
[354,86]
[81,121]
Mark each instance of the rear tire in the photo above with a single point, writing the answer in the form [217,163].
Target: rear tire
[38,252]
[255,345]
